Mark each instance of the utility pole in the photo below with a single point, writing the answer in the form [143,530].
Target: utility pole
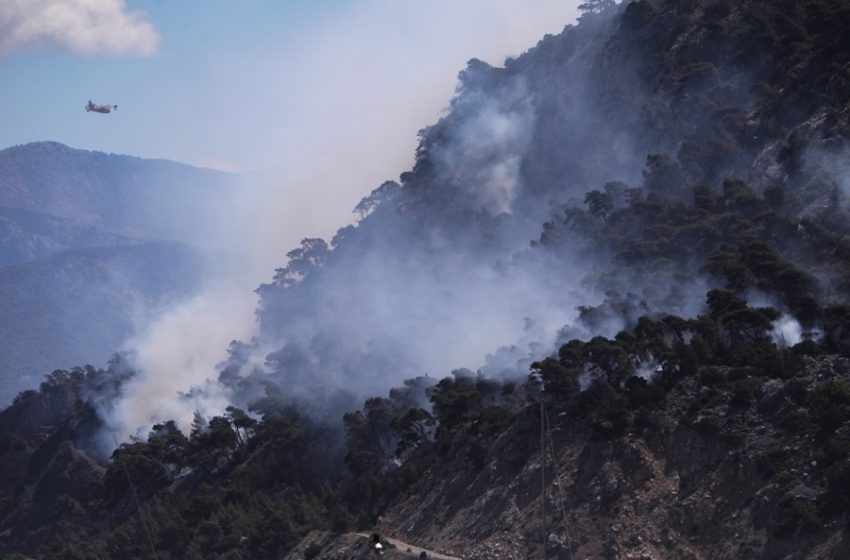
[142,517]
[543,471]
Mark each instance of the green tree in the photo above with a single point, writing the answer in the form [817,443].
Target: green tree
[557,380]
[600,204]
[243,425]
[370,435]
[213,444]
[596,6]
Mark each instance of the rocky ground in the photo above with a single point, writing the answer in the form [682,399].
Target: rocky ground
[711,479]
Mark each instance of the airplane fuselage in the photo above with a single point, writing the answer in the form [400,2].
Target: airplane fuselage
[105,109]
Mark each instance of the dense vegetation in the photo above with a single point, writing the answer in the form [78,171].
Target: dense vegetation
[238,487]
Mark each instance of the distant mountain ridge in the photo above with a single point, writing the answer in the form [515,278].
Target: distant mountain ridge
[125,195]
[27,236]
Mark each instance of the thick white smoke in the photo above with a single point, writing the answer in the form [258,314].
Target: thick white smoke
[178,351]
[484,158]
[787,331]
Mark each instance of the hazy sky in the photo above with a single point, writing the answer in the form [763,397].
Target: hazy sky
[250,84]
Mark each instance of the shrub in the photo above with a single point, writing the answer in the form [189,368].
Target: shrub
[829,404]
[710,375]
[707,426]
[744,392]
[836,499]
[795,515]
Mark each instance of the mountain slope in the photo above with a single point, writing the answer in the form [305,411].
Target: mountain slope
[484,250]
[637,230]
[710,473]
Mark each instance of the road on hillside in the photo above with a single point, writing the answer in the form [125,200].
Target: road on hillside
[402,546]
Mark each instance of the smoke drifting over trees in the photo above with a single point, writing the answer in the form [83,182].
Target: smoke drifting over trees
[515,222]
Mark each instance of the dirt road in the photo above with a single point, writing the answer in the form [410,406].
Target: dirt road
[414,551]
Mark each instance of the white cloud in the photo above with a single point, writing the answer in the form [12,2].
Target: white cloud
[91,27]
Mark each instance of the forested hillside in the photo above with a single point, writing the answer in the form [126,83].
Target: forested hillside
[637,231]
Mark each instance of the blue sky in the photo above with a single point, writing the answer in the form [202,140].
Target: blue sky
[165,100]
[259,84]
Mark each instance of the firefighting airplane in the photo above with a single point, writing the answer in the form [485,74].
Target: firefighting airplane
[105,109]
